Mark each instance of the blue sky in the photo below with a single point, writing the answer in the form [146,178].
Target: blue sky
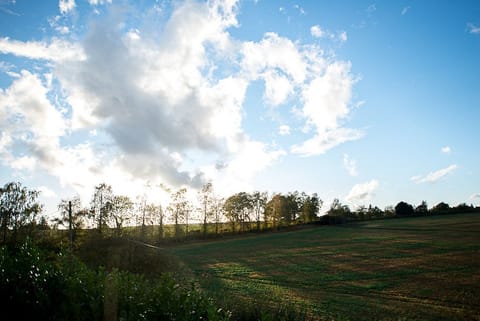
[365,101]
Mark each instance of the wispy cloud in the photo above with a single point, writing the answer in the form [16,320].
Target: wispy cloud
[300,9]
[318,32]
[473,29]
[475,196]
[405,10]
[434,176]
[350,165]
[371,9]
[57,50]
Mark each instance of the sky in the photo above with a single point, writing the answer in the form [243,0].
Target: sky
[370,102]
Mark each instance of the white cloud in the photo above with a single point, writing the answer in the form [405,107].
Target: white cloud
[66,6]
[475,196]
[473,29]
[324,141]
[99,2]
[277,88]
[284,130]
[405,10]
[300,9]
[327,97]
[317,32]
[57,50]
[362,192]
[156,101]
[46,192]
[446,150]
[350,165]
[434,176]
[273,52]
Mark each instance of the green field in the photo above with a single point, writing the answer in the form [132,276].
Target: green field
[425,268]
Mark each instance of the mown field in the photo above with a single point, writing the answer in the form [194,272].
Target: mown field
[425,268]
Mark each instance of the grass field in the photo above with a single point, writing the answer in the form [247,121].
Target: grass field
[425,268]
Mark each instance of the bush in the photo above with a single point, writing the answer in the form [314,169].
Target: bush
[40,285]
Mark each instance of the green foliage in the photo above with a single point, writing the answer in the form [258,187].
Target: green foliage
[40,285]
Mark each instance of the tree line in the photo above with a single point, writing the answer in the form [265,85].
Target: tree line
[109,213]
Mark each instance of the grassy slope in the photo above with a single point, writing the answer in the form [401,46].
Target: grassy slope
[412,268]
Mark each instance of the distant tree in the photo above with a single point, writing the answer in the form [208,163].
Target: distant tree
[218,206]
[78,218]
[338,212]
[389,211]
[259,203]
[178,208]
[206,200]
[362,212]
[101,204]
[18,207]
[121,211]
[404,209]
[441,208]
[293,205]
[422,208]
[310,207]
[237,209]
[276,209]
[374,212]
[463,208]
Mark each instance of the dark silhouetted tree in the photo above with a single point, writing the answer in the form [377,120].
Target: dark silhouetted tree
[101,204]
[18,208]
[404,209]
[441,208]
[78,218]
[121,211]
[422,208]
[205,197]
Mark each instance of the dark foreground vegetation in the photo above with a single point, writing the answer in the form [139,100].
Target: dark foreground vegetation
[401,263]
[36,284]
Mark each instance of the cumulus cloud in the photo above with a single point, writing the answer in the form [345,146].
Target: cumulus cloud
[157,103]
[434,176]
[317,32]
[66,6]
[350,165]
[362,192]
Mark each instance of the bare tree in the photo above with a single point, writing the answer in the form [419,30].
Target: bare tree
[101,204]
[178,208]
[206,199]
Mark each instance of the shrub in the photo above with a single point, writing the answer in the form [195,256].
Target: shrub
[41,285]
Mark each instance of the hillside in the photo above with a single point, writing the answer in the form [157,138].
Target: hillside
[424,268]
